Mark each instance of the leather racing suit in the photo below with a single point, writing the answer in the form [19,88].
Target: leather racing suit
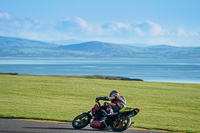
[116,102]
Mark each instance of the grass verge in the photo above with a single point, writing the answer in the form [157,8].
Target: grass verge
[167,106]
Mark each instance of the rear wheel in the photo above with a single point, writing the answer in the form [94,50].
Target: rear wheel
[81,121]
[121,124]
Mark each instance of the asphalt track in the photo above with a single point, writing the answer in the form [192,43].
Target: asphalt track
[34,126]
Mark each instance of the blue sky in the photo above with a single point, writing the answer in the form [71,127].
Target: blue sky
[152,22]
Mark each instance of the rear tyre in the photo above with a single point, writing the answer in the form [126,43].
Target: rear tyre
[81,121]
[121,124]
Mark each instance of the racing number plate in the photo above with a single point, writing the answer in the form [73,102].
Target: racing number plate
[126,109]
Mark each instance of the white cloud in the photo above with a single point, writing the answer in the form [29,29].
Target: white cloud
[147,32]
[181,32]
[194,34]
[20,27]
[76,21]
[76,25]
[139,31]
[149,28]
[79,25]
[4,16]
[155,29]
[116,26]
[8,23]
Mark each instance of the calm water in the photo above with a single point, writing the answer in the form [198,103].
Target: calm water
[164,70]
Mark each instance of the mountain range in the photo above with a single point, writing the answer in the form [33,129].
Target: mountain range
[17,47]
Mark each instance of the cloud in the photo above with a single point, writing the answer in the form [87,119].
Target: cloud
[181,32]
[155,29]
[77,25]
[20,27]
[149,28]
[13,24]
[4,16]
[147,32]
[116,26]
[139,31]
[117,29]
[74,22]
[194,34]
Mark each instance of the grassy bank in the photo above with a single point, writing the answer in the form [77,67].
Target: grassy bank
[168,106]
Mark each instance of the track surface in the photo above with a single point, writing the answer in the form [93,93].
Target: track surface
[28,126]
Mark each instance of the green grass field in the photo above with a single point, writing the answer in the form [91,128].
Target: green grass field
[167,106]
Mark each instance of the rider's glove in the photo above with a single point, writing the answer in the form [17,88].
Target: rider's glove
[98,98]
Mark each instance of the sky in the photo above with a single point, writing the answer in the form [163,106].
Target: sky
[150,22]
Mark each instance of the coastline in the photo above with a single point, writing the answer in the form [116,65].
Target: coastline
[104,77]
[86,76]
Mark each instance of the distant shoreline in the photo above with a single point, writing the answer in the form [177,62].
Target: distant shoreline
[96,77]
[86,76]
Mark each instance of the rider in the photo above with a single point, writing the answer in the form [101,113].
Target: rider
[117,102]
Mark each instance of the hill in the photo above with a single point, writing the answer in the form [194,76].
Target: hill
[96,49]
[15,47]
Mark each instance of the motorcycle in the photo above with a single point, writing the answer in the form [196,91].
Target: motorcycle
[101,118]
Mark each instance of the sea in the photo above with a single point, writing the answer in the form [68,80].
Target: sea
[152,70]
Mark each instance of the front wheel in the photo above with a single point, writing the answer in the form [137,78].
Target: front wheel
[81,121]
[121,124]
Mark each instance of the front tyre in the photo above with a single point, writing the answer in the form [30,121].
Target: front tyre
[121,124]
[81,121]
